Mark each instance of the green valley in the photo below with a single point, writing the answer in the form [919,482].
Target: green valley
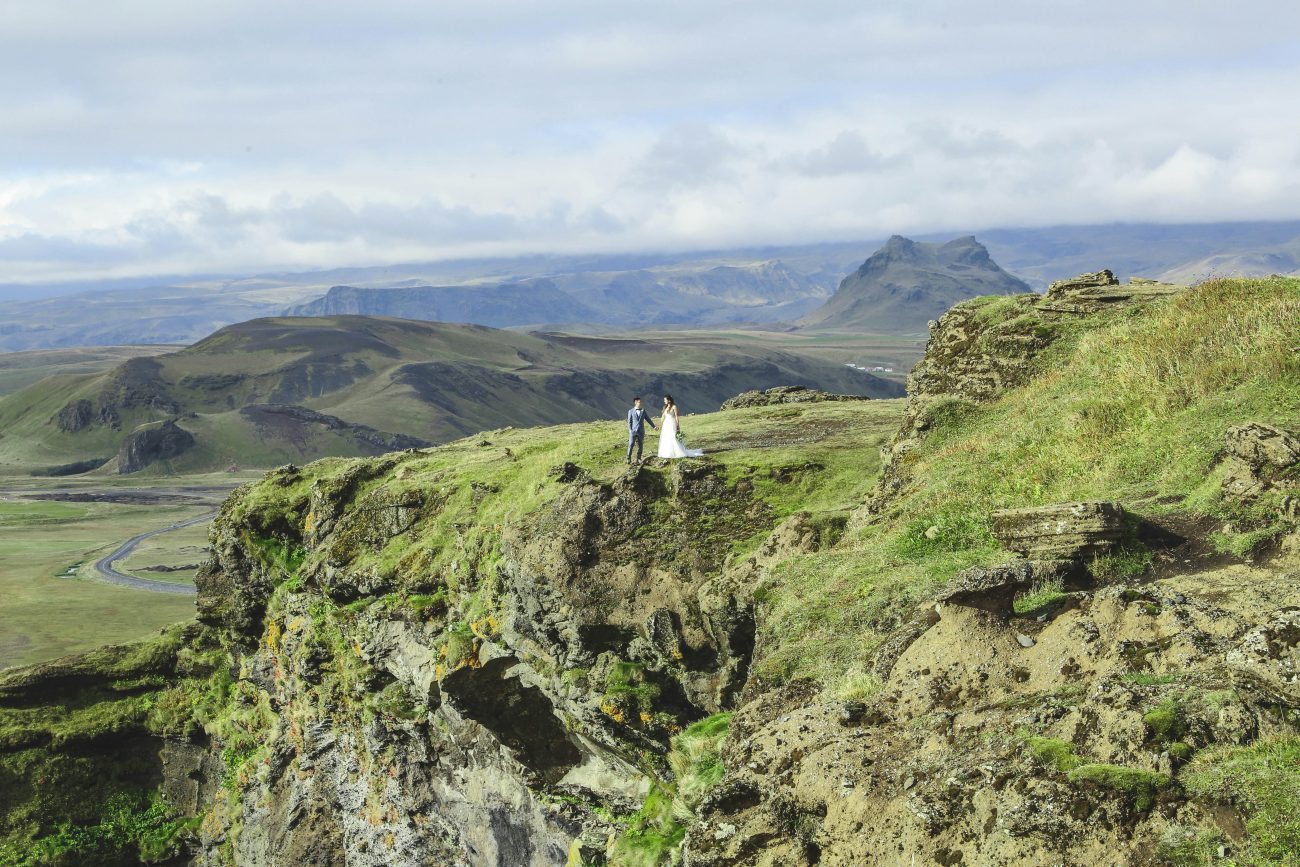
[274,391]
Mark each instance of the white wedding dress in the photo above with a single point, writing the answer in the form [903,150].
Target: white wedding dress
[669,445]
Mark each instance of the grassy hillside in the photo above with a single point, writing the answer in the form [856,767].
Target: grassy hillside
[20,369]
[1133,406]
[372,385]
[1146,714]
[105,801]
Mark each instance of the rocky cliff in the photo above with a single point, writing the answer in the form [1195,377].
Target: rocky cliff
[1060,628]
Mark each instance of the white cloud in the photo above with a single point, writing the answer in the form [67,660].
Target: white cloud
[148,137]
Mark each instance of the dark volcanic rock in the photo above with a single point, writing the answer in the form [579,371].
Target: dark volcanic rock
[784,394]
[80,414]
[991,589]
[293,423]
[905,284]
[152,444]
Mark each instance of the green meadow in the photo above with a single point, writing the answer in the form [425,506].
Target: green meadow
[49,606]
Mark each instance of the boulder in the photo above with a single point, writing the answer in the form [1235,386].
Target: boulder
[1063,531]
[991,589]
[1263,446]
[1263,458]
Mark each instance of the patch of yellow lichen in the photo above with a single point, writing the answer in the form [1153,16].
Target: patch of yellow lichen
[485,629]
[273,635]
[611,710]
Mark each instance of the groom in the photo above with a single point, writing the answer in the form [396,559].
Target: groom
[637,419]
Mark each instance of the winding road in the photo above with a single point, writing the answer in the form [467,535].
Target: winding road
[104,565]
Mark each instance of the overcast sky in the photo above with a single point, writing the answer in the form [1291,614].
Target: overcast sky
[145,137]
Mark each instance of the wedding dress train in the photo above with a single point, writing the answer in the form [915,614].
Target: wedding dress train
[669,445]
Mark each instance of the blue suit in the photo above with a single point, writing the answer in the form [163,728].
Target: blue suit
[637,419]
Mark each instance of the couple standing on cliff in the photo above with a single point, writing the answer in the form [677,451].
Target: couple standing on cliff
[670,444]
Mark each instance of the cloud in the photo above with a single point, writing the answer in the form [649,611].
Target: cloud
[686,157]
[846,154]
[147,136]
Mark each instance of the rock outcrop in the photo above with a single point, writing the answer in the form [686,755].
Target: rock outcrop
[783,394]
[1263,460]
[1064,531]
[980,349]
[1024,745]
[497,706]
[1089,293]
[151,444]
[295,424]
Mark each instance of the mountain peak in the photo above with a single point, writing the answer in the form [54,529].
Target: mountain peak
[906,283]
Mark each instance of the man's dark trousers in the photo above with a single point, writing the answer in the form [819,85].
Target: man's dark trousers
[635,438]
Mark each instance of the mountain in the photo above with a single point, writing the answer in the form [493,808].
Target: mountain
[535,302]
[1046,612]
[622,291]
[686,294]
[279,390]
[1155,250]
[741,285]
[1252,262]
[906,283]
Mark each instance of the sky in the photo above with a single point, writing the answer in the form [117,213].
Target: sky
[146,137]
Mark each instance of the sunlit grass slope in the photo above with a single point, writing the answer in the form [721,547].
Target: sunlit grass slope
[1133,406]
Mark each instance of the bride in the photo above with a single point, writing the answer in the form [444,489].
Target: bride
[669,445]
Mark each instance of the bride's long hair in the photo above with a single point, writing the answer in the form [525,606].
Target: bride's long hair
[669,403]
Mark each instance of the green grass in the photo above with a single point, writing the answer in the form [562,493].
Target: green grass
[1053,753]
[1132,404]
[47,615]
[1167,722]
[1263,780]
[1126,563]
[1140,787]
[1043,598]
[133,828]
[656,831]
[78,776]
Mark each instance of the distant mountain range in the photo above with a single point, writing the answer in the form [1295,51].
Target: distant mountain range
[685,294]
[750,285]
[278,390]
[906,283]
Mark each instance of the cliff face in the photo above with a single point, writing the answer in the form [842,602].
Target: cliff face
[1053,631]
[150,444]
[488,697]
